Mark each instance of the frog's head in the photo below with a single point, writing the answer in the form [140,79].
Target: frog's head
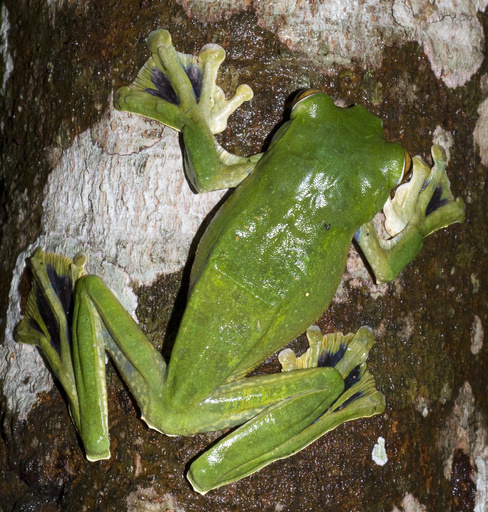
[350,142]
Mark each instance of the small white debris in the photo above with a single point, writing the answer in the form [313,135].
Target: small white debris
[477,335]
[379,452]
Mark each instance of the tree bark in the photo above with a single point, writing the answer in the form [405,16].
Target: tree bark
[76,174]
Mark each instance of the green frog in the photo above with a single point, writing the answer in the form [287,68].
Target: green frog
[265,270]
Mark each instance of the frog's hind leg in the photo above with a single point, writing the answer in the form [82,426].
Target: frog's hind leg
[48,314]
[101,323]
[293,423]
[74,318]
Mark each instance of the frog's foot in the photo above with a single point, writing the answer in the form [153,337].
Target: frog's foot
[347,354]
[420,207]
[336,350]
[425,201]
[49,301]
[172,84]
[47,314]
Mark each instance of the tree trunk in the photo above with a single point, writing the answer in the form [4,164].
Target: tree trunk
[78,175]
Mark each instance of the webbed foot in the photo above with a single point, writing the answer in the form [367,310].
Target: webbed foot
[172,84]
[46,321]
[425,200]
[347,354]
[421,206]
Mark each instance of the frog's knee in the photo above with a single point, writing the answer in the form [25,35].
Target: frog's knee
[88,283]
[178,417]
[180,423]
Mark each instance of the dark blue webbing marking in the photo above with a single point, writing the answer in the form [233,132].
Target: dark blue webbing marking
[165,90]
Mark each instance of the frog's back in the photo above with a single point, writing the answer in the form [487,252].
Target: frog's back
[270,262]
[279,231]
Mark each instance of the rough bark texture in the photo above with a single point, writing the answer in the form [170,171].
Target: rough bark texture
[76,174]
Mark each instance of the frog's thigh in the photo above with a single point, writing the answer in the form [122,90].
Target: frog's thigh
[236,402]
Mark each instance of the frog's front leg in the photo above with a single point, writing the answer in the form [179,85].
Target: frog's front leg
[179,90]
[421,206]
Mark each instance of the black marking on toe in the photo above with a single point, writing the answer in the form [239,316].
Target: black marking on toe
[327,358]
[353,377]
[34,324]
[165,90]
[435,202]
[196,78]
[351,399]
[49,319]
[63,288]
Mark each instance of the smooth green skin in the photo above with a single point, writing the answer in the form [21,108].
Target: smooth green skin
[265,270]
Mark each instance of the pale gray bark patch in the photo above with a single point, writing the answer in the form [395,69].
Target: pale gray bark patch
[410,504]
[481,130]
[8,63]
[119,194]
[465,429]
[450,33]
